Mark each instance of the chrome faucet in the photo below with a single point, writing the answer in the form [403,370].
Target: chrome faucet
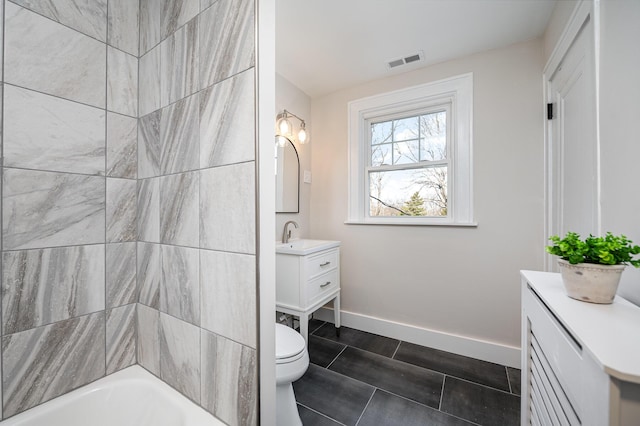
[287,234]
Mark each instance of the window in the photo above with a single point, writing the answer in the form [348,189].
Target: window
[410,156]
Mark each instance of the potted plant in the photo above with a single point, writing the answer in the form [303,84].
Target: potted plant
[591,268]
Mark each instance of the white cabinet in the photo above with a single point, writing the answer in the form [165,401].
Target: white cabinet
[305,282]
[580,361]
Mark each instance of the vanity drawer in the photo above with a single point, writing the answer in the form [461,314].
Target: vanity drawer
[320,286]
[322,262]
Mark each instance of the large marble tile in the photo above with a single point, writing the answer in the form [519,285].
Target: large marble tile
[149,210]
[121,274]
[149,274]
[122,82]
[1,79]
[180,355]
[123,25]
[121,338]
[45,362]
[179,209]
[149,88]
[226,40]
[228,282]
[227,121]
[180,284]
[179,136]
[121,210]
[176,13]
[150,17]
[148,332]
[179,64]
[87,16]
[42,209]
[48,57]
[48,133]
[227,208]
[45,286]
[122,146]
[229,380]
[149,146]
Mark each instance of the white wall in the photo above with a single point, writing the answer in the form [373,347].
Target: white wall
[620,137]
[292,99]
[461,281]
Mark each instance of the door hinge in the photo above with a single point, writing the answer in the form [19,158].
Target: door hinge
[549,111]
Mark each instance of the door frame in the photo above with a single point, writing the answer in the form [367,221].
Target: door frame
[584,10]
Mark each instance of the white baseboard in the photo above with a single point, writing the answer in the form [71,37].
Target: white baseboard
[486,351]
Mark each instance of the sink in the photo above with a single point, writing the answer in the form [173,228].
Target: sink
[304,247]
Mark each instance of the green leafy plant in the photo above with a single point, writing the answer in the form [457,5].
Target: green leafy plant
[607,250]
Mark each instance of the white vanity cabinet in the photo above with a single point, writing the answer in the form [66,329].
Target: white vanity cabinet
[308,279]
[580,361]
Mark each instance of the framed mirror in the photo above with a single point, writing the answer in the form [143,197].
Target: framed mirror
[287,176]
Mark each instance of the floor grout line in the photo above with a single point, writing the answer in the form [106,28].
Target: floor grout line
[320,414]
[376,388]
[334,360]
[396,351]
[365,407]
[444,379]
[508,379]
[317,328]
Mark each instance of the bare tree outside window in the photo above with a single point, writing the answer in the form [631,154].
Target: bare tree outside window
[408,173]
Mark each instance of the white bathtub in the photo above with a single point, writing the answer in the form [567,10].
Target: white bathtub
[131,397]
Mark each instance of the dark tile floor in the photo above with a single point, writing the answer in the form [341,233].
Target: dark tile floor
[363,379]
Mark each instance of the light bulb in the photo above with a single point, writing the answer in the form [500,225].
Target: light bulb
[281,141]
[303,137]
[284,126]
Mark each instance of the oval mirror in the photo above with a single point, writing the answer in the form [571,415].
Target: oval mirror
[287,176]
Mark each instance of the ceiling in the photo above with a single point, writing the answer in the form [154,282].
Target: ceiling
[326,45]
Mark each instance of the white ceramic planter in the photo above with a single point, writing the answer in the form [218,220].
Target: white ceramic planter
[591,282]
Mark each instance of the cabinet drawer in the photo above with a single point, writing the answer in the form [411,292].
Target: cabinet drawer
[322,263]
[562,353]
[320,286]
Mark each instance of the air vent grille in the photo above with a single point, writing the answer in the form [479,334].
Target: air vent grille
[405,60]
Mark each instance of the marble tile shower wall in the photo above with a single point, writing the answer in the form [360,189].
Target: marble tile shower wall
[196,259]
[70,109]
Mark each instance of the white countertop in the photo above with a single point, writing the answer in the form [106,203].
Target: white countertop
[611,333]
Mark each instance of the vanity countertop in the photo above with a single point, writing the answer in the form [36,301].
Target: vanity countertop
[303,247]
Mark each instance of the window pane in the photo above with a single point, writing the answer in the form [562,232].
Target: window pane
[433,130]
[381,132]
[381,155]
[406,128]
[406,152]
[418,192]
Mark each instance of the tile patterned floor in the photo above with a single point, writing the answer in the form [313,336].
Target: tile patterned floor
[364,379]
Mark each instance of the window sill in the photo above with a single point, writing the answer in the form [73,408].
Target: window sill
[402,222]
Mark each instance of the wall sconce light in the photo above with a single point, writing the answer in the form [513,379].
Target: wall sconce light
[284,127]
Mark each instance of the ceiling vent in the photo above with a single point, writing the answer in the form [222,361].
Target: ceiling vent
[406,60]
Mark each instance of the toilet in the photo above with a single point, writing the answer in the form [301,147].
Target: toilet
[292,360]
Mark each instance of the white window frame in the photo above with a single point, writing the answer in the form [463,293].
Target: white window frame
[456,94]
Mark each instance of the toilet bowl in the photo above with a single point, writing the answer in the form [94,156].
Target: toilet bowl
[292,360]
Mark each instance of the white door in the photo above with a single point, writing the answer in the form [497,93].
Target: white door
[573,143]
